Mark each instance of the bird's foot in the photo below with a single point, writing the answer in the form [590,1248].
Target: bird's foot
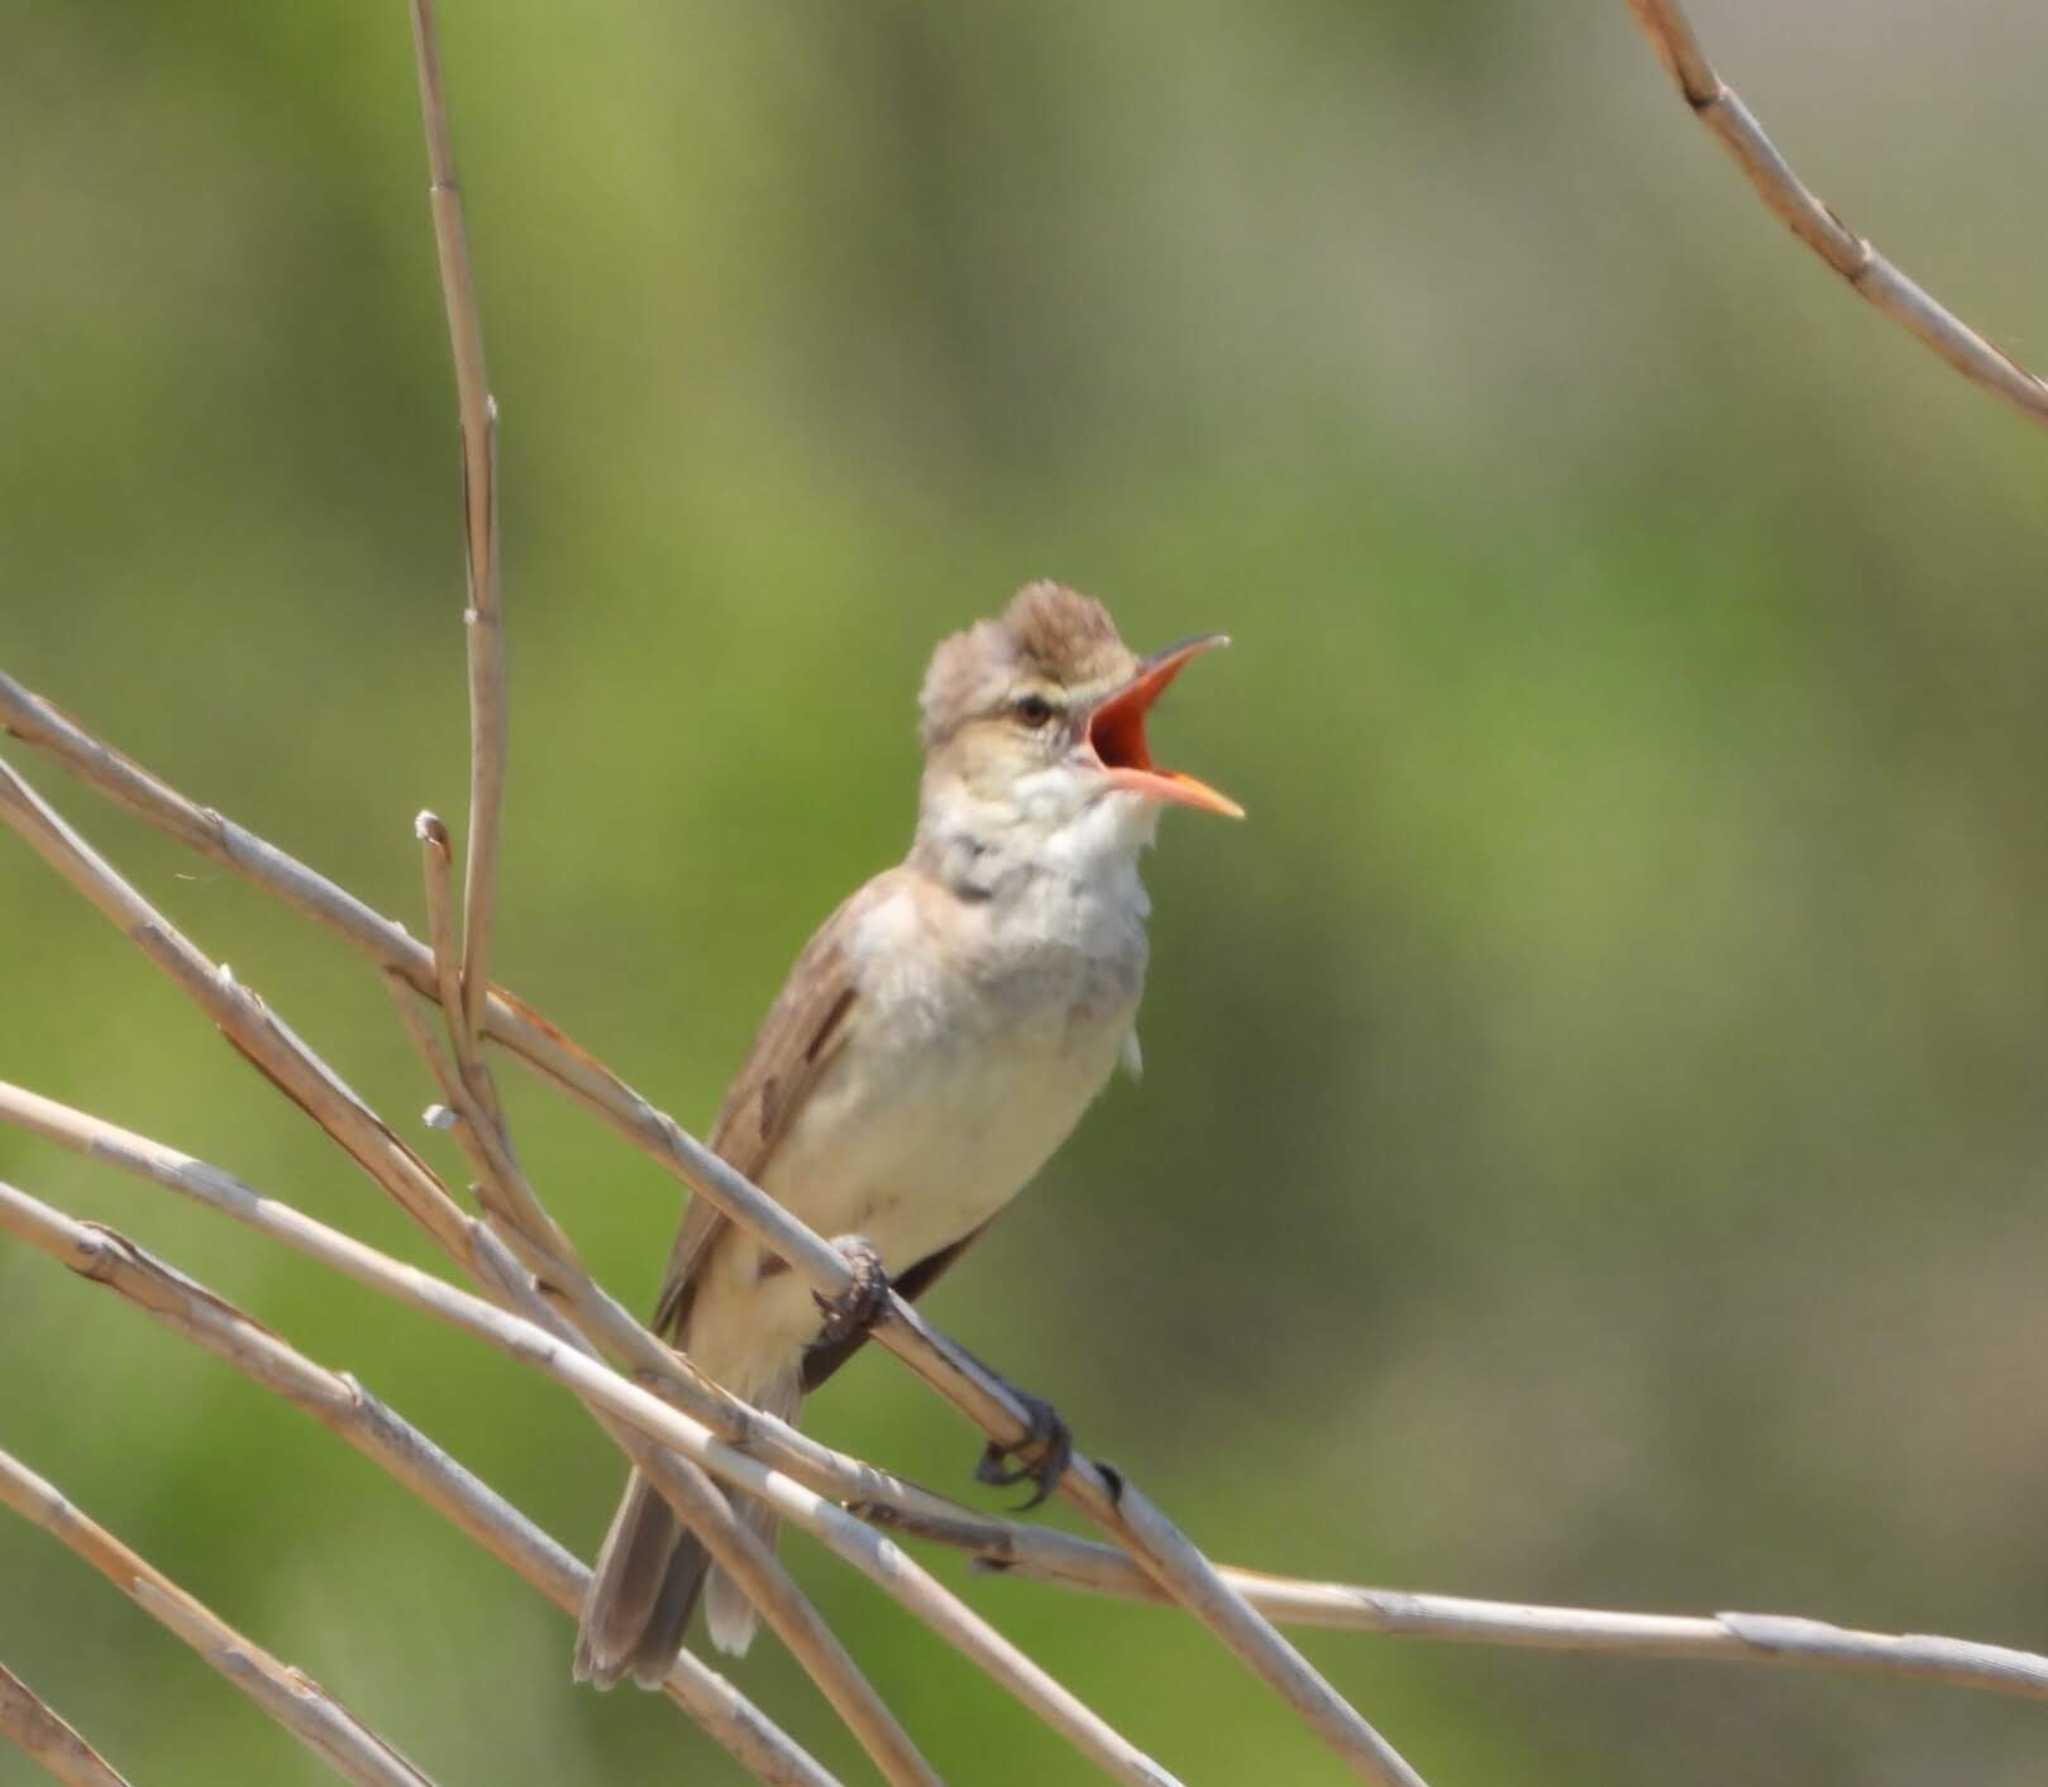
[857,1308]
[1042,1454]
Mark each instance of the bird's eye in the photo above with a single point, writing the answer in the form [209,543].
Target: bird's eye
[1032,710]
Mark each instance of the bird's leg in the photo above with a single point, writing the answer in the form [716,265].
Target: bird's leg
[857,1308]
[1043,1453]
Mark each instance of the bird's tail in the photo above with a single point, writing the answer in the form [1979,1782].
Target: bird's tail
[647,1581]
[650,1574]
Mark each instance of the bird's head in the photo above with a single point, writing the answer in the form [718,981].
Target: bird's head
[1036,720]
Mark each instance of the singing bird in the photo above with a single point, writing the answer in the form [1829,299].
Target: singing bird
[937,1039]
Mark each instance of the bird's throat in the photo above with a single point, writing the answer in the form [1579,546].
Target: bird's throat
[996,851]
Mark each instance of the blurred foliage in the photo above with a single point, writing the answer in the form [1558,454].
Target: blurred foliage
[1591,1142]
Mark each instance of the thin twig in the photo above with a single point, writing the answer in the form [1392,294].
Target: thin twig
[483,618]
[34,1727]
[289,1696]
[1010,1548]
[343,1406]
[208,1185]
[508,1021]
[1043,1554]
[1107,1497]
[436,870]
[243,1018]
[834,1475]
[465,1082]
[39,724]
[602,1389]
[291,1065]
[515,1212]
[1161,1563]
[1719,107]
[1112,1501]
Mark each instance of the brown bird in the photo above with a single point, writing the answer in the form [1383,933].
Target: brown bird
[938,1038]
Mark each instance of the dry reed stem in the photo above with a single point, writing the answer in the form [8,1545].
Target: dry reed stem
[241,1017]
[373,1429]
[291,1065]
[515,1211]
[1719,107]
[517,1215]
[1108,1499]
[1009,1548]
[292,1698]
[40,724]
[1112,1501]
[436,869]
[1161,1562]
[483,617]
[835,1475]
[34,1727]
[1035,1552]
[1062,1558]
[569,1363]
[224,1193]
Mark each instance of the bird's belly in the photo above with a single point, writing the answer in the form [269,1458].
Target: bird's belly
[914,1151]
[943,1143]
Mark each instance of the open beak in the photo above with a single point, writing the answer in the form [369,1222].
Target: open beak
[1116,733]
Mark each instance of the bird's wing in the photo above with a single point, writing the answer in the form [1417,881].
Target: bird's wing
[806,1027]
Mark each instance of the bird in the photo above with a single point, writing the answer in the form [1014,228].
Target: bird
[937,1040]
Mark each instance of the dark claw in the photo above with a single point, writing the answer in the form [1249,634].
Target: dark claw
[1044,1452]
[856,1309]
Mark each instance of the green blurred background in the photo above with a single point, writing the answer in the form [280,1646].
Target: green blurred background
[1592,1134]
